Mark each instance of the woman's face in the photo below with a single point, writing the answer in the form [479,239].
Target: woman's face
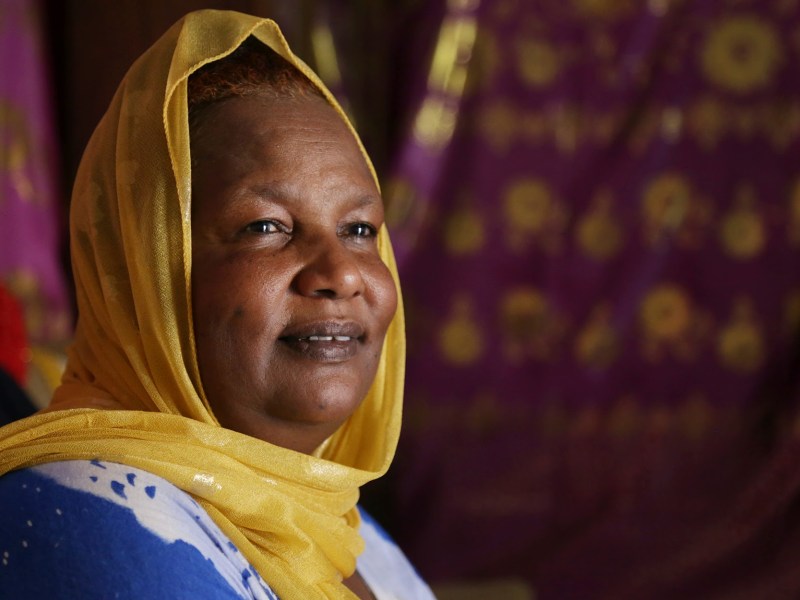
[291,300]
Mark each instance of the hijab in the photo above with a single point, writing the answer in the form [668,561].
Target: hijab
[131,392]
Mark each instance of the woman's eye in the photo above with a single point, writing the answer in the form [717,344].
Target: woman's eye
[362,230]
[263,227]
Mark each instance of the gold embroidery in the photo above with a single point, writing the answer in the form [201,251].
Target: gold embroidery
[24,285]
[463,231]
[597,344]
[533,214]
[671,124]
[530,325]
[538,62]
[741,53]
[672,210]
[741,344]
[742,230]
[460,339]
[598,232]
[708,121]
[670,323]
[666,312]
[15,146]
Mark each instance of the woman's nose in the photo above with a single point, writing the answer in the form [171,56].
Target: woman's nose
[330,271]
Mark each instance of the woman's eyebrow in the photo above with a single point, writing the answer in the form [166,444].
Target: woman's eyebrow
[273,191]
[368,200]
[279,192]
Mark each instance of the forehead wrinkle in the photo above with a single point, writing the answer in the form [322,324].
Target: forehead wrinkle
[280,189]
[306,135]
[273,190]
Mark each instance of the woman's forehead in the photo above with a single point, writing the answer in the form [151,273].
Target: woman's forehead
[272,125]
[294,148]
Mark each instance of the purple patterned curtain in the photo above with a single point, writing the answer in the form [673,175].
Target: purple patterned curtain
[596,210]
[30,199]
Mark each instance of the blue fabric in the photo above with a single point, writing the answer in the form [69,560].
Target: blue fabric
[60,542]
[97,530]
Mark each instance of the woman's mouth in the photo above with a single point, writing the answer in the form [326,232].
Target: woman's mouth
[328,341]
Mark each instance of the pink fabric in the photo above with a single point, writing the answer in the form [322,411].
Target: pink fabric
[30,201]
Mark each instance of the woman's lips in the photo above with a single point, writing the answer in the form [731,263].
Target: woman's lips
[324,341]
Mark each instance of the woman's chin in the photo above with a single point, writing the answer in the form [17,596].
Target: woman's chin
[301,425]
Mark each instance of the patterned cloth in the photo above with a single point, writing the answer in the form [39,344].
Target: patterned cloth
[596,212]
[97,530]
[30,199]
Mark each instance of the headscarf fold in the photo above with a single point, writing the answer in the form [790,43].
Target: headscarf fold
[131,392]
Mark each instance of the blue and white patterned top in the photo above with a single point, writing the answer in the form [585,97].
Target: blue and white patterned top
[99,530]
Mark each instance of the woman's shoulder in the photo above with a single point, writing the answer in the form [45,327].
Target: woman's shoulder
[93,529]
[99,529]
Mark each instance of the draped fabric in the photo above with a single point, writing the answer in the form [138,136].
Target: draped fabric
[132,392]
[30,203]
[596,212]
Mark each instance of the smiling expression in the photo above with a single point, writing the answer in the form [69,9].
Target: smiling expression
[291,300]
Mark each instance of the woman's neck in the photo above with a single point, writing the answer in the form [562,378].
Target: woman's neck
[356,584]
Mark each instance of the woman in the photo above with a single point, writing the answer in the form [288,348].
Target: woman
[237,368]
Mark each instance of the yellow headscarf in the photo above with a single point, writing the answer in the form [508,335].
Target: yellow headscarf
[132,393]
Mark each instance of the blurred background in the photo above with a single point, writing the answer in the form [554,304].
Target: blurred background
[595,206]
